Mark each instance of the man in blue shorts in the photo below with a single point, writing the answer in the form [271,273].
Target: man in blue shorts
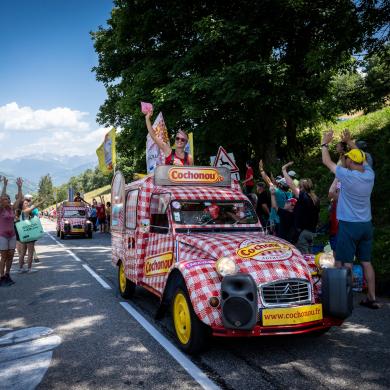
[354,211]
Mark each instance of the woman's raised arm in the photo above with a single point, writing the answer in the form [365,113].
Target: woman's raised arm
[160,143]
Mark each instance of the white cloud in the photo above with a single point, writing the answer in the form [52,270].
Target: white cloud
[61,143]
[13,117]
[2,136]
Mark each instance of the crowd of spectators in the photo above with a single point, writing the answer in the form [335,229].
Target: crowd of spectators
[288,207]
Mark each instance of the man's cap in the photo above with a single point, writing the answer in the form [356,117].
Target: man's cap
[292,173]
[277,178]
[282,182]
[356,155]
[28,197]
[292,200]
[261,184]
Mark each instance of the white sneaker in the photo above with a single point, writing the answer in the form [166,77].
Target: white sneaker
[31,271]
[21,271]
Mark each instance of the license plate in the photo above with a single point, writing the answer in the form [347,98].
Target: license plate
[292,315]
[77,230]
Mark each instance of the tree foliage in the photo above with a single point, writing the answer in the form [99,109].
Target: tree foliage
[45,191]
[247,75]
[378,78]
[87,181]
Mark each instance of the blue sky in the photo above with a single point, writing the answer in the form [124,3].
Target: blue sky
[47,89]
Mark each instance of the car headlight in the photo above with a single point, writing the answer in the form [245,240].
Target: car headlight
[226,266]
[324,260]
[66,222]
[88,222]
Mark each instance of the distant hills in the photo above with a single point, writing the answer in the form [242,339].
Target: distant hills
[32,168]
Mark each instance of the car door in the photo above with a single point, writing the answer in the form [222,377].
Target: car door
[159,249]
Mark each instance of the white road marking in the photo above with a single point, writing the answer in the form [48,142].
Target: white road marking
[25,373]
[186,363]
[25,356]
[97,277]
[17,351]
[54,239]
[73,255]
[26,334]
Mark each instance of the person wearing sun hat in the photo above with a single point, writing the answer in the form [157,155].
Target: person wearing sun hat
[355,233]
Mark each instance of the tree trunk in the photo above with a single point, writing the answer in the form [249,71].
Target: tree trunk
[291,134]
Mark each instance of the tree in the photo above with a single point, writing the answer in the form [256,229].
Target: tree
[245,74]
[378,78]
[45,191]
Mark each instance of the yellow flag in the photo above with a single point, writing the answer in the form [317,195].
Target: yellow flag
[191,142]
[106,153]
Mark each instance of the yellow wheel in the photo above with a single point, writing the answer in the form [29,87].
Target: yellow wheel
[182,318]
[126,286]
[191,333]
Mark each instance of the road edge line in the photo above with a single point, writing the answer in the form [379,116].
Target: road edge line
[96,276]
[86,267]
[195,372]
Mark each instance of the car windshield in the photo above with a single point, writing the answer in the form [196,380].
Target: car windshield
[213,213]
[74,213]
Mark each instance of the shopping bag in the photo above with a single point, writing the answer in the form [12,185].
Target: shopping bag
[29,229]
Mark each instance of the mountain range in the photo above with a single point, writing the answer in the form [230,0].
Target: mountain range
[32,168]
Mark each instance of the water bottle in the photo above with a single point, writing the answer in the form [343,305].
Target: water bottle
[357,272]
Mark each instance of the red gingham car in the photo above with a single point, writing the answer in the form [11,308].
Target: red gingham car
[190,236]
[72,220]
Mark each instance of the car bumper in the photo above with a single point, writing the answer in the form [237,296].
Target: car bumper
[260,330]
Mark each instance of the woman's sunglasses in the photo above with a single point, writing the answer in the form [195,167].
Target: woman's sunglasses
[181,139]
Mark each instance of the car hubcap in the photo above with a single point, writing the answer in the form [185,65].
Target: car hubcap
[182,318]
[122,278]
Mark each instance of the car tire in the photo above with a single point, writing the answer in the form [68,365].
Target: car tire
[126,286]
[191,333]
[89,234]
[62,235]
[337,297]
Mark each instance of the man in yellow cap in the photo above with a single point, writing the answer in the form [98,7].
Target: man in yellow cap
[354,212]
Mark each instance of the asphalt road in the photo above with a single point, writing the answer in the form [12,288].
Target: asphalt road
[102,347]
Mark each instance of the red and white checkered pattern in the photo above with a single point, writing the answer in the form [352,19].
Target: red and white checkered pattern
[203,281]
[157,244]
[73,221]
[195,253]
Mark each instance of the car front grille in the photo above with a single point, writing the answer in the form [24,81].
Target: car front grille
[286,292]
[77,226]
